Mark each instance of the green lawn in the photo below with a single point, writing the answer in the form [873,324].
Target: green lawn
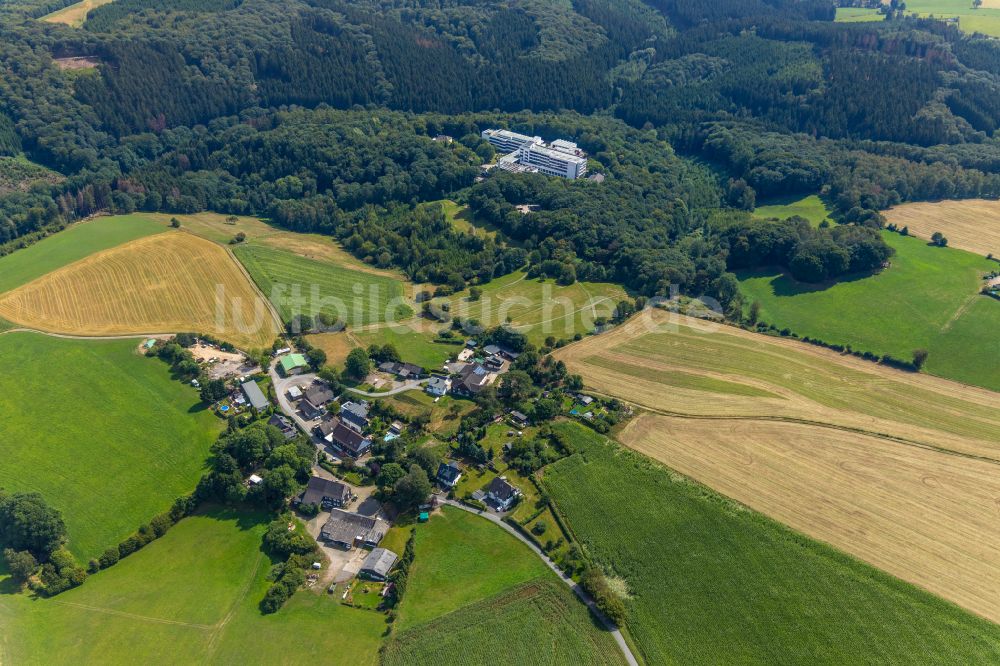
[297,285]
[858,14]
[461,559]
[72,244]
[811,208]
[712,582]
[189,597]
[413,346]
[539,308]
[984,20]
[540,622]
[103,433]
[928,300]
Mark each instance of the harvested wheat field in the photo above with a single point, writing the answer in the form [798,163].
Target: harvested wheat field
[164,283]
[672,364]
[970,224]
[927,517]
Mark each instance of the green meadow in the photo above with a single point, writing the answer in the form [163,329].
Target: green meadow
[539,622]
[190,597]
[72,244]
[811,208]
[461,559]
[298,285]
[710,581]
[104,434]
[539,308]
[928,299]
[858,14]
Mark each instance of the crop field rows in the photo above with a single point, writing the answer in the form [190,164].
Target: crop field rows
[297,285]
[160,284]
[685,370]
[924,516]
[972,224]
[712,582]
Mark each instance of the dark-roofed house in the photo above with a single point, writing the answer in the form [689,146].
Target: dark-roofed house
[282,423]
[473,378]
[355,415]
[519,418]
[255,396]
[402,370]
[378,564]
[325,493]
[491,350]
[348,530]
[449,474]
[500,494]
[333,430]
[313,403]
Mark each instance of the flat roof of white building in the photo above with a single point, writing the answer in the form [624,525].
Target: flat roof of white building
[557,154]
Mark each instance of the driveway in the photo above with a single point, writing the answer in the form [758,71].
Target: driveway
[344,564]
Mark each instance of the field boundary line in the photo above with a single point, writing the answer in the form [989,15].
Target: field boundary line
[801,421]
[275,318]
[135,616]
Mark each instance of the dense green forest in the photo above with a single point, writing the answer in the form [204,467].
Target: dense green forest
[321,113]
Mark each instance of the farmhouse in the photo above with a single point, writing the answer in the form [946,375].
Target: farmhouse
[438,385]
[348,530]
[335,431]
[254,395]
[315,399]
[449,474]
[325,493]
[293,364]
[474,378]
[355,415]
[282,423]
[500,494]
[378,564]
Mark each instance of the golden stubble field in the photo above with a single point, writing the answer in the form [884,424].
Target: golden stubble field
[679,368]
[164,283]
[898,469]
[930,518]
[970,224]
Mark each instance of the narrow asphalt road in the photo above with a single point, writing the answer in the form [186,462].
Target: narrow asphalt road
[584,597]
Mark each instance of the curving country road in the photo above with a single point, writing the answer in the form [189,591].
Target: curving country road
[584,597]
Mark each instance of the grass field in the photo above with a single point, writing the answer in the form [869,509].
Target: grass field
[923,516]
[712,582]
[539,308]
[297,285]
[415,346]
[641,361]
[462,559]
[539,622]
[163,283]
[971,224]
[103,433]
[72,244]
[811,207]
[915,304]
[189,597]
[74,15]
[461,219]
[858,14]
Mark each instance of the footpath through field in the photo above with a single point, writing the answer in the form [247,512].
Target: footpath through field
[584,597]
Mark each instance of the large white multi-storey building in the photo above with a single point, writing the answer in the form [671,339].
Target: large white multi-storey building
[530,153]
